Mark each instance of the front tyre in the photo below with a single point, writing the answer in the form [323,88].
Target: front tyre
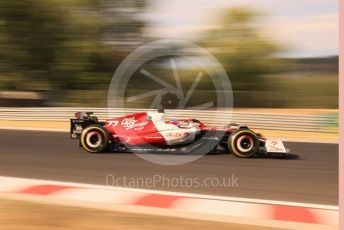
[94,139]
[243,143]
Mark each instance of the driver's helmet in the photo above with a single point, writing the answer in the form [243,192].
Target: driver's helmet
[184,124]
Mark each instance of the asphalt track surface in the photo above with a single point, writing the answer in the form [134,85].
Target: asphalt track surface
[309,176]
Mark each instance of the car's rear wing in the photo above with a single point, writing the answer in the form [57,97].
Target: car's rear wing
[81,121]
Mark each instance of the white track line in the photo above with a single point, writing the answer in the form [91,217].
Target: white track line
[34,129]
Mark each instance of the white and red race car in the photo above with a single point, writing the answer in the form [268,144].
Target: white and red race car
[149,131]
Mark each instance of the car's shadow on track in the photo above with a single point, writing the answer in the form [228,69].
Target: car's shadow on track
[290,156]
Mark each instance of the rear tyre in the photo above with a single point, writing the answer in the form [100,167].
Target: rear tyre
[94,139]
[243,143]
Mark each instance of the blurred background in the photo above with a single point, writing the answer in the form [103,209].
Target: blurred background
[278,54]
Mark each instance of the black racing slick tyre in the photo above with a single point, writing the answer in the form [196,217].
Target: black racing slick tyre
[243,143]
[94,139]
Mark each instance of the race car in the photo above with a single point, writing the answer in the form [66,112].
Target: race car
[149,131]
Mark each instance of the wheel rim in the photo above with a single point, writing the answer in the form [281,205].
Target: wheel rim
[245,144]
[93,139]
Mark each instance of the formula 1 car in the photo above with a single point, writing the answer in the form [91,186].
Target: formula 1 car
[151,132]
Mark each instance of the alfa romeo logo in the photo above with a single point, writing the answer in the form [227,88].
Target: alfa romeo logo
[176,75]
